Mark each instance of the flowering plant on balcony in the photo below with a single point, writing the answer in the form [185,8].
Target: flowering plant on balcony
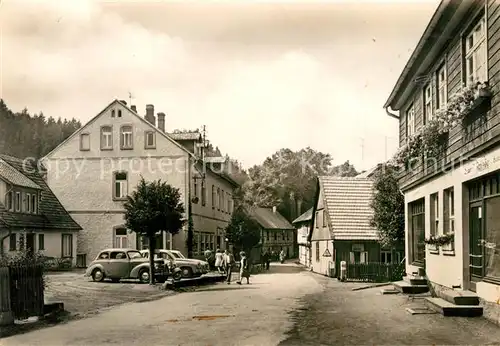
[440,240]
[431,137]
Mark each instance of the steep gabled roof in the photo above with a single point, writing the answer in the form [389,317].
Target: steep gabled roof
[161,133]
[14,177]
[307,216]
[371,172]
[52,214]
[269,219]
[347,202]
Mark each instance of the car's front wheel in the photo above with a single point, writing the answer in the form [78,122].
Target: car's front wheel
[177,275]
[187,272]
[97,275]
[144,276]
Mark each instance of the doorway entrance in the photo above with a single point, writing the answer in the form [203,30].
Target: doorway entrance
[484,230]
[417,232]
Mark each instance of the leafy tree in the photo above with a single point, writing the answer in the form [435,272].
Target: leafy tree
[388,207]
[152,208]
[243,232]
[286,180]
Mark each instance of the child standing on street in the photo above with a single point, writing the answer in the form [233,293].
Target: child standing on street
[244,272]
[219,261]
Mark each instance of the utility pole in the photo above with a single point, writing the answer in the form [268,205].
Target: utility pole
[130,98]
[362,148]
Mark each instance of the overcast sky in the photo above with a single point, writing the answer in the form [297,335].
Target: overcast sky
[260,76]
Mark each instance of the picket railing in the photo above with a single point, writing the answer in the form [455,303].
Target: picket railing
[26,289]
[375,272]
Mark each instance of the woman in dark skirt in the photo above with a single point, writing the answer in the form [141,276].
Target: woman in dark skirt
[244,272]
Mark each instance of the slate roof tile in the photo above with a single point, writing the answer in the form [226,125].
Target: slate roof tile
[348,202]
[52,214]
[13,176]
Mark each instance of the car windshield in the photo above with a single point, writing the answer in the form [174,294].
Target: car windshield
[166,255]
[134,254]
[178,255]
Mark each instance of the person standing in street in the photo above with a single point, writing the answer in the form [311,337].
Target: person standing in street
[282,256]
[219,261]
[244,270]
[228,265]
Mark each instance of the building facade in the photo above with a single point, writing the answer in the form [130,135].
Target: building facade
[303,224]
[276,232]
[453,193]
[94,170]
[31,217]
[341,227]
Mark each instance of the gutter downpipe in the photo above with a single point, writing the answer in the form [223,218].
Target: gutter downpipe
[392,115]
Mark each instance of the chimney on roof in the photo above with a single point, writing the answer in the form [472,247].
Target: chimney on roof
[150,114]
[274,209]
[161,121]
[134,108]
[124,102]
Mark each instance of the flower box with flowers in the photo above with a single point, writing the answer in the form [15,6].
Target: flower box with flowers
[432,138]
[440,240]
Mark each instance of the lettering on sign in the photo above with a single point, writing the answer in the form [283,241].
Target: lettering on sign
[327,253]
[481,164]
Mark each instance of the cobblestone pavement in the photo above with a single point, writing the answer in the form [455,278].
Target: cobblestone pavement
[286,306]
[81,296]
[340,316]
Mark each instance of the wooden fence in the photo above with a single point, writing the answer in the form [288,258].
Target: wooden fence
[375,272]
[26,289]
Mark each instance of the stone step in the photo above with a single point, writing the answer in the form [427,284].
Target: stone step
[460,297]
[448,309]
[405,287]
[418,280]
[389,291]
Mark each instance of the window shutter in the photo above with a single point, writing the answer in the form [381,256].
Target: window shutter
[351,257]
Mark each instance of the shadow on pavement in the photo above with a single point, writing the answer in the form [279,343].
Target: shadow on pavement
[229,288]
[282,269]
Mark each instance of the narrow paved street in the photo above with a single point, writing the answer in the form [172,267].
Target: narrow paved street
[287,306]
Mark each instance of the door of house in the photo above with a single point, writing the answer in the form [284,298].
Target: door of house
[417,232]
[476,249]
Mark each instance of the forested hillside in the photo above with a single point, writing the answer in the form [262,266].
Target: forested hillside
[25,135]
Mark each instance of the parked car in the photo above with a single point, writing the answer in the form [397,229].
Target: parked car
[189,267]
[118,264]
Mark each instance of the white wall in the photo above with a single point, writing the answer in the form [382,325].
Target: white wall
[451,269]
[322,264]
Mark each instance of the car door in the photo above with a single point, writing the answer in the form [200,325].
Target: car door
[118,265]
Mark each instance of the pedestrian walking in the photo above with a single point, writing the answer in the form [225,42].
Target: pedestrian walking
[228,265]
[282,256]
[244,270]
[219,261]
[267,260]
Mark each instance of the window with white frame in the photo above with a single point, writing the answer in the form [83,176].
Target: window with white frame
[120,186]
[9,200]
[222,201]
[106,138]
[18,201]
[213,197]
[218,198]
[67,245]
[150,140]
[449,211]
[85,141]
[410,122]
[203,192]
[34,203]
[434,214]
[428,102]
[126,140]
[386,257]
[28,203]
[120,239]
[441,88]
[476,54]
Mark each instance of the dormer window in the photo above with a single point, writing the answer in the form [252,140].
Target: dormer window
[106,138]
[85,141]
[150,140]
[126,139]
